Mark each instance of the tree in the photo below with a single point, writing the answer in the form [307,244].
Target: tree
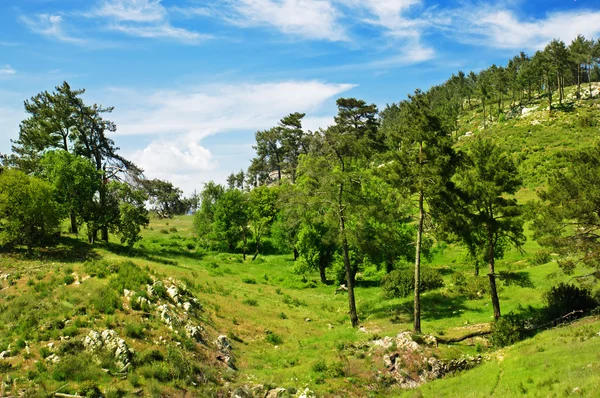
[488,218]
[422,162]
[75,181]
[51,125]
[317,244]
[165,198]
[205,216]
[262,209]
[568,216]
[231,220]
[29,214]
[132,211]
[580,53]
[332,174]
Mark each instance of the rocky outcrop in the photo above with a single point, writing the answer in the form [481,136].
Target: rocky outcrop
[109,340]
[412,362]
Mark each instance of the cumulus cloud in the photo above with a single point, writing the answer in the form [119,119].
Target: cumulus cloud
[207,110]
[177,121]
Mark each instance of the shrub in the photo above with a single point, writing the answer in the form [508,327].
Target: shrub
[250,281]
[250,302]
[68,279]
[336,369]
[469,286]
[401,282]
[565,298]
[319,366]
[273,338]
[129,276]
[134,330]
[508,330]
[106,300]
[173,229]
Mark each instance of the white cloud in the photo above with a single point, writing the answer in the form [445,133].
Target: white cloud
[501,28]
[177,121]
[7,70]
[132,10]
[50,26]
[161,31]
[309,19]
[212,109]
[144,18]
[391,15]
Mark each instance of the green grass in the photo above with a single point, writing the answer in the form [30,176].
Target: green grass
[289,330]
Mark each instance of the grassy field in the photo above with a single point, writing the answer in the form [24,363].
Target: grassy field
[287,329]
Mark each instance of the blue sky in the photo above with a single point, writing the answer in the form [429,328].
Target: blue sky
[192,80]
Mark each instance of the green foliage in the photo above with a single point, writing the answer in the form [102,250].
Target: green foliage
[565,298]
[541,257]
[231,219]
[105,300]
[132,212]
[128,275]
[470,286]
[29,214]
[401,282]
[273,338]
[508,330]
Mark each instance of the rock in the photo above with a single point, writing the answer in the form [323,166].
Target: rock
[242,393]
[187,306]
[128,293]
[307,320]
[173,293]
[150,290]
[4,354]
[194,332]
[468,134]
[222,343]
[276,393]
[53,358]
[329,326]
[526,111]
[307,393]
[165,315]
[144,302]
[109,341]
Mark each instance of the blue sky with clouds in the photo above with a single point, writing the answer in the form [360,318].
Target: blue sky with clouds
[192,80]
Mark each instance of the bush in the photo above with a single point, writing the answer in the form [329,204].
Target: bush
[106,300]
[508,330]
[565,298]
[401,282]
[319,366]
[134,330]
[68,279]
[273,338]
[250,302]
[129,276]
[469,286]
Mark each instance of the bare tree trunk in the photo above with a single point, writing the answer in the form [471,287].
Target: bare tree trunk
[322,266]
[296,254]
[578,81]
[417,298]
[492,276]
[345,250]
[484,118]
[74,228]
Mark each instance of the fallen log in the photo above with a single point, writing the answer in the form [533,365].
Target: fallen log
[450,340]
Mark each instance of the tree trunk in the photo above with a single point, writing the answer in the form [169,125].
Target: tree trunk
[345,251]
[74,228]
[322,266]
[296,254]
[417,298]
[559,89]
[578,81]
[256,252]
[549,98]
[484,118]
[492,276]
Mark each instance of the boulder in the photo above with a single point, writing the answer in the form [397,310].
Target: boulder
[276,393]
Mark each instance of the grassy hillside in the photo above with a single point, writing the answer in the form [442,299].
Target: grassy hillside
[286,329]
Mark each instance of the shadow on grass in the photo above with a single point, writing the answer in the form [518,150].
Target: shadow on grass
[149,255]
[63,249]
[434,305]
[521,279]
